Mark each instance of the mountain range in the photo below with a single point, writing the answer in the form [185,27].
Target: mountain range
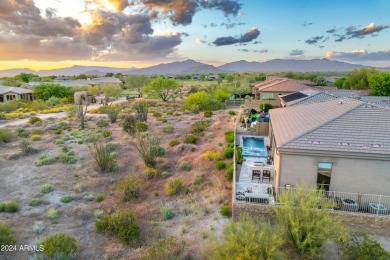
[195,67]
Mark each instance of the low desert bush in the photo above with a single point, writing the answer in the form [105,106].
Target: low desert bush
[128,123]
[225,210]
[35,202]
[232,112]
[212,155]
[25,147]
[129,187]
[52,214]
[190,139]
[6,235]
[199,126]
[185,166]
[239,157]
[101,153]
[165,175]
[148,148]
[166,248]
[166,211]
[59,246]
[359,246]
[113,111]
[35,137]
[66,199]
[98,213]
[150,173]
[229,136]
[11,207]
[47,188]
[220,165]
[229,172]
[173,185]
[102,122]
[157,114]
[2,207]
[141,126]
[99,197]
[168,129]
[34,120]
[174,142]
[228,153]
[106,133]
[207,113]
[6,136]
[122,224]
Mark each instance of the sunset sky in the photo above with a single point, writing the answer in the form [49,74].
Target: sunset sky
[45,34]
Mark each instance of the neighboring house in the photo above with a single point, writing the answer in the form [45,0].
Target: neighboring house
[212,77]
[8,94]
[88,82]
[341,144]
[382,101]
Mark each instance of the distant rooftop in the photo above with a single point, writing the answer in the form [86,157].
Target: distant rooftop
[19,90]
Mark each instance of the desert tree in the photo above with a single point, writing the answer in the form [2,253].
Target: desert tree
[136,82]
[112,91]
[141,109]
[148,147]
[163,88]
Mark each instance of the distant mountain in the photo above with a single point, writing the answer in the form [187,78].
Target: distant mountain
[77,70]
[178,67]
[13,72]
[289,65]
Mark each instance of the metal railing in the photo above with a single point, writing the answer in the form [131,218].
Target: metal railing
[350,202]
[234,103]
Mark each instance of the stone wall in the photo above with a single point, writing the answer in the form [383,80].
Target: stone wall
[367,223]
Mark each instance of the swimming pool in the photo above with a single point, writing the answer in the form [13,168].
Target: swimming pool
[254,147]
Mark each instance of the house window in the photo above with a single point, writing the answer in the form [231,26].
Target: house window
[324,173]
[267,96]
[11,97]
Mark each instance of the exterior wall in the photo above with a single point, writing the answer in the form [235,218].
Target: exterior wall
[256,103]
[6,100]
[348,175]
[371,224]
[262,128]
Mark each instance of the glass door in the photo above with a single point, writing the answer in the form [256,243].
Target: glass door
[324,173]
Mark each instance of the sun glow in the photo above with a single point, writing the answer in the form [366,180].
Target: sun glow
[85,18]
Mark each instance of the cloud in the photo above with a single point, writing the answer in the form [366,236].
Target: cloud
[244,50]
[297,52]
[314,40]
[352,32]
[247,37]
[232,25]
[359,55]
[331,31]
[117,5]
[306,23]
[261,51]
[256,42]
[199,41]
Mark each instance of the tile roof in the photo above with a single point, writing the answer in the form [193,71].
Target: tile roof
[352,126]
[282,85]
[19,90]
[383,101]
[324,96]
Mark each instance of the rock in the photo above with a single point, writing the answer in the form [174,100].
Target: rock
[184,148]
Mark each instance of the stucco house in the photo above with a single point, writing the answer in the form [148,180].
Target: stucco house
[341,144]
[8,94]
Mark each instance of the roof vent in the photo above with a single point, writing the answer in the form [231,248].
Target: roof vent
[369,106]
[344,143]
[376,145]
[341,102]
[315,142]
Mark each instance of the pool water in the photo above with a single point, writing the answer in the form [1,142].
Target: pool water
[254,146]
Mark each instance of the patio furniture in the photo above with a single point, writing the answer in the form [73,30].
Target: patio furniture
[256,174]
[266,176]
[377,208]
[349,205]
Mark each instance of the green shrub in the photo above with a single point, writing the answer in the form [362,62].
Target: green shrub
[59,246]
[228,153]
[47,188]
[148,148]
[38,132]
[34,119]
[197,180]
[239,157]
[165,175]
[265,106]
[52,214]
[157,114]
[229,172]
[232,112]
[102,122]
[122,224]
[168,129]
[361,247]
[212,155]
[58,131]
[190,139]
[24,134]
[173,185]
[185,166]
[166,211]
[106,133]
[66,199]
[6,136]
[98,213]
[207,113]
[265,243]
[150,173]
[225,211]
[45,161]
[2,207]
[164,120]
[11,207]
[229,136]
[202,101]
[35,137]
[220,165]
[169,113]
[35,202]
[174,142]
[199,126]
[128,123]
[141,126]
[25,147]
[99,197]
[6,235]
[166,248]
[129,187]
[112,111]
[101,153]
[53,101]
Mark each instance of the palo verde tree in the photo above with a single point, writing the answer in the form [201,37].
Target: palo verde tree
[112,91]
[47,90]
[136,82]
[163,88]
[380,84]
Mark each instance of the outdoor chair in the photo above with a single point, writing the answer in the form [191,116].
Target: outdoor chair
[256,174]
[266,176]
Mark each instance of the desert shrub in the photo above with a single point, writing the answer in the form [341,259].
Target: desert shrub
[34,120]
[23,133]
[35,137]
[106,133]
[212,155]
[239,157]
[166,248]
[129,187]
[6,235]
[150,173]
[122,224]
[169,113]
[164,120]
[207,113]
[173,185]
[359,246]
[203,101]
[229,172]
[168,129]
[165,175]
[141,126]
[265,106]
[2,207]
[53,101]
[67,157]
[197,180]
[38,132]
[220,165]
[47,188]
[98,213]
[59,246]
[148,148]
[185,166]
[99,197]
[141,109]
[45,161]
[157,114]
[39,227]
[113,111]
[228,153]
[306,229]
[128,123]
[225,210]
[265,242]
[199,126]
[52,214]
[101,153]
[25,147]
[190,139]
[6,136]
[185,211]
[58,131]
[166,211]
[229,136]
[66,199]
[35,202]
[232,112]
[71,111]
[102,122]
[174,142]
[11,207]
